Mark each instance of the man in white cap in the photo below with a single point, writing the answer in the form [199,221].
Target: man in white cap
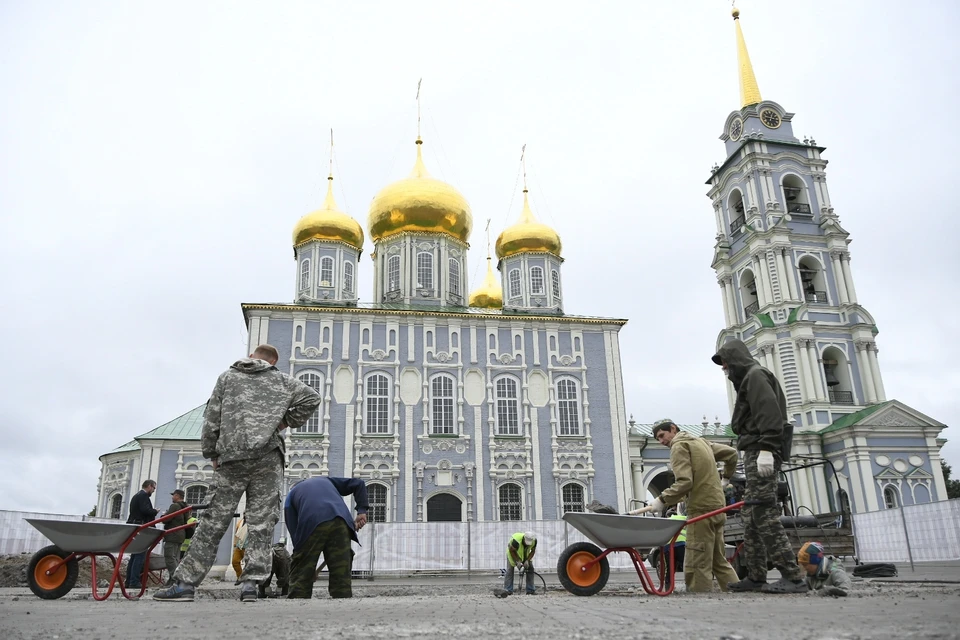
[520,550]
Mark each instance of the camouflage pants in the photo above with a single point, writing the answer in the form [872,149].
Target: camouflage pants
[705,557]
[281,569]
[260,479]
[332,539]
[764,539]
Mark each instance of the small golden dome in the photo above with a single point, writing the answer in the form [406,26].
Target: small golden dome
[735,13]
[328,223]
[419,203]
[489,295]
[528,235]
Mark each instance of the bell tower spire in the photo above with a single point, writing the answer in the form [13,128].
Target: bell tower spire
[749,90]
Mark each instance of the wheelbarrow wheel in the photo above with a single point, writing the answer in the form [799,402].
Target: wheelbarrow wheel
[739,566]
[573,577]
[57,584]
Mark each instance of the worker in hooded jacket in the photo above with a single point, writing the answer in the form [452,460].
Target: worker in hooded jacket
[765,436]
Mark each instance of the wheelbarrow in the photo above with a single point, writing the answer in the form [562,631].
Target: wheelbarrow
[53,570]
[583,567]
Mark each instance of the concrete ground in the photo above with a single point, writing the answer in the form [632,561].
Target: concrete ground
[920,604]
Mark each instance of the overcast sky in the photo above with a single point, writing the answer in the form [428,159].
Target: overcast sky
[154,158]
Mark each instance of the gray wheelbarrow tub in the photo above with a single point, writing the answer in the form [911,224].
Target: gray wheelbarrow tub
[94,537]
[608,531]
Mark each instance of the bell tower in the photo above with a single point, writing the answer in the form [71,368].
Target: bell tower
[782,261]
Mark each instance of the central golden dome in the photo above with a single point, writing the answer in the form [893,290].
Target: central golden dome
[328,223]
[489,295]
[419,203]
[528,235]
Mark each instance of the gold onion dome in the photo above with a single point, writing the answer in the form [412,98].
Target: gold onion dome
[328,223]
[488,295]
[528,235]
[419,203]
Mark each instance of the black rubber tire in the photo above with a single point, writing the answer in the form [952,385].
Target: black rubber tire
[568,583]
[62,589]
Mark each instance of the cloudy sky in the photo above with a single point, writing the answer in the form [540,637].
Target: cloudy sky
[154,158]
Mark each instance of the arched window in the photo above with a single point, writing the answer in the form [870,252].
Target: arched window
[568,407]
[444,507]
[536,281]
[348,277]
[837,374]
[555,279]
[304,274]
[843,501]
[812,281]
[891,498]
[511,506]
[735,210]
[454,276]
[748,294]
[508,423]
[116,506]
[196,493]
[795,194]
[514,278]
[441,404]
[315,382]
[393,273]
[377,497]
[424,270]
[377,404]
[572,495]
[326,272]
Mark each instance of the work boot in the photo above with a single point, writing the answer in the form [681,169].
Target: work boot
[284,591]
[179,592]
[747,584]
[248,592]
[501,593]
[786,586]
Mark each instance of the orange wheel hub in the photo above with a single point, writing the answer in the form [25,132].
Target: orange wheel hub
[578,574]
[55,579]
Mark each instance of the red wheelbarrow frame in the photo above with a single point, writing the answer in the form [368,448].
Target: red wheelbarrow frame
[116,578]
[646,580]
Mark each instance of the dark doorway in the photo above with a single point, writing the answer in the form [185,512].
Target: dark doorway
[444,507]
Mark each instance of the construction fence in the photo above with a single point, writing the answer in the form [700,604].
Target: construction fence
[919,533]
[17,536]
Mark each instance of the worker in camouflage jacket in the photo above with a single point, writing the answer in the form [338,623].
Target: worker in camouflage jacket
[765,436]
[281,569]
[252,403]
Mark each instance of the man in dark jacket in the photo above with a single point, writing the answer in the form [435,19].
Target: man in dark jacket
[141,512]
[319,522]
[765,436]
[172,541]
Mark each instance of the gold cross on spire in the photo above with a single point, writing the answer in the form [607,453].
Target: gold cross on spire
[418,107]
[523,164]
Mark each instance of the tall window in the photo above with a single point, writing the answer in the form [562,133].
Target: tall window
[568,407]
[555,279]
[510,505]
[891,498]
[196,494]
[304,275]
[326,272]
[508,423]
[572,498]
[441,402]
[377,497]
[378,404]
[314,381]
[514,279]
[116,506]
[393,273]
[348,277]
[424,270]
[454,276]
[536,281]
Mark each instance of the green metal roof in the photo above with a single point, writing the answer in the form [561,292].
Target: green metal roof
[186,427]
[853,418]
[693,429]
[133,445]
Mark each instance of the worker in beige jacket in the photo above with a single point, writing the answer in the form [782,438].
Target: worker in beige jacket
[697,483]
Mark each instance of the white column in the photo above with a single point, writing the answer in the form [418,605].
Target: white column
[767,287]
[845,265]
[872,352]
[866,372]
[728,311]
[767,351]
[853,387]
[803,365]
[782,274]
[759,282]
[839,277]
[731,301]
[791,275]
[816,370]
[638,492]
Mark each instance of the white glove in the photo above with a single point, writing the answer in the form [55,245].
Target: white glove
[724,483]
[656,505]
[765,464]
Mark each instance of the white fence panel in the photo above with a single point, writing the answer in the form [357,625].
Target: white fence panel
[931,533]
[18,536]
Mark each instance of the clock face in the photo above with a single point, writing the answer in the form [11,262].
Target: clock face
[770,118]
[736,128]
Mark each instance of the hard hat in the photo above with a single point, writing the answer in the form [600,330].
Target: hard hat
[811,553]
[529,538]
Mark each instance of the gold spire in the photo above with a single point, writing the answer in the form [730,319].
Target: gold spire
[749,90]
[488,295]
[527,234]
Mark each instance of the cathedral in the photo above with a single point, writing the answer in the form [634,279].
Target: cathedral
[783,266]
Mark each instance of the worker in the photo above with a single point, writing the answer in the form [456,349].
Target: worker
[765,437]
[694,464]
[679,548]
[825,574]
[520,551]
[188,532]
[239,548]
[279,568]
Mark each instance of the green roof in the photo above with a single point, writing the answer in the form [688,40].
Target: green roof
[133,445]
[695,429]
[853,418]
[186,427]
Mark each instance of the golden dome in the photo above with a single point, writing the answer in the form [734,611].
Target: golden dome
[419,203]
[489,295]
[328,223]
[528,235]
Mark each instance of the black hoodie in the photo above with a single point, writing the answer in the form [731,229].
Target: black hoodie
[760,414]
